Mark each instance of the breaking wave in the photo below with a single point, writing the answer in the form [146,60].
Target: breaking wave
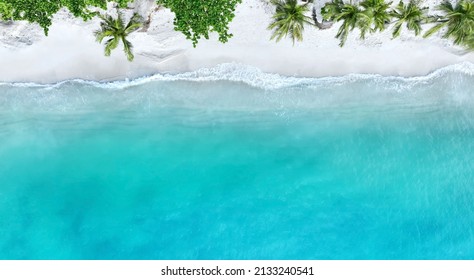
[254,77]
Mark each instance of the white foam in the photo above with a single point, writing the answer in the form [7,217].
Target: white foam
[254,77]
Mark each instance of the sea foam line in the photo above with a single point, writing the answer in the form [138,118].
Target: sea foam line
[252,76]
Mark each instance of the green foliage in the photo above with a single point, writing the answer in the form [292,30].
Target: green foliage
[42,11]
[411,14]
[116,30]
[197,18]
[289,20]
[459,22]
[350,15]
[6,11]
[332,9]
[378,14]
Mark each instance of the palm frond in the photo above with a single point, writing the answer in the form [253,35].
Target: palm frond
[377,14]
[352,17]
[397,29]
[411,14]
[434,29]
[134,24]
[128,49]
[111,45]
[116,30]
[289,20]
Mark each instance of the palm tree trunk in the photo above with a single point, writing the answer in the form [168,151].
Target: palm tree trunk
[147,23]
[321,25]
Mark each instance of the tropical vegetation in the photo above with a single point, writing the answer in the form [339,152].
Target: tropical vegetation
[457,21]
[6,12]
[42,12]
[411,14]
[196,19]
[289,20]
[351,16]
[115,29]
[377,14]
[454,19]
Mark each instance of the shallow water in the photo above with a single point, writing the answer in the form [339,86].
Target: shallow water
[231,163]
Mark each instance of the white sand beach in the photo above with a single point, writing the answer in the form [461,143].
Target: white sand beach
[71,52]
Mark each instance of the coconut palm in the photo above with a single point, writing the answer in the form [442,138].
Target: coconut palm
[332,9]
[324,24]
[116,30]
[459,22]
[378,13]
[411,14]
[350,15]
[289,20]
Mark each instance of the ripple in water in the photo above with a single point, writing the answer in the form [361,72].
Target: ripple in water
[206,165]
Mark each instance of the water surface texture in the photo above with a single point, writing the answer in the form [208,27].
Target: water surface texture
[231,163]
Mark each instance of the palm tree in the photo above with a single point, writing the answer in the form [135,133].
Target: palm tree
[289,20]
[459,22]
[116,30]
[350,15]
[377,13]
[411,14]
[324,24]
[332,9]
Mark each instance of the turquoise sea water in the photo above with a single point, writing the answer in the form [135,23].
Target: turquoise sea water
[231,163]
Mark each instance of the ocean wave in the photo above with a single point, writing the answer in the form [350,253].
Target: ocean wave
[254,77]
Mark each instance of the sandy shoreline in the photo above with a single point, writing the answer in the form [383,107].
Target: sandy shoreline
[70,51]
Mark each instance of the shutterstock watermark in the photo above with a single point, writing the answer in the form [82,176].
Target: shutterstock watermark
[202,271]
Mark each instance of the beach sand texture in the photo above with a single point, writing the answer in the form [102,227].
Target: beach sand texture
[71,52]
